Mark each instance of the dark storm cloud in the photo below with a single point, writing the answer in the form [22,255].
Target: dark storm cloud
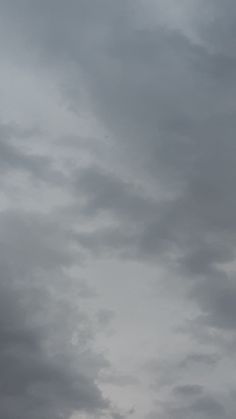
[167,103]
[218,27]
[35,383]
[170,104]
[173,102]
[217,298]
[42,376]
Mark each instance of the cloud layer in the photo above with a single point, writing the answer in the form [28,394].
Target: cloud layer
[117,150]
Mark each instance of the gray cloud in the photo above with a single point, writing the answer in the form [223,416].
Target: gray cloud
[200,358]
[119,380]
[44,242]
[168,100]
[41,375]
[168,372]
[34,382]
[188,390]
[201,408]
[216,297]
[18,159]
[105,192]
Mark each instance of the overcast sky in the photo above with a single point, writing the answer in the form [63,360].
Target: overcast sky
[117,209]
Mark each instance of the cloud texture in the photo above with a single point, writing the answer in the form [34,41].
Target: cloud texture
[117,162]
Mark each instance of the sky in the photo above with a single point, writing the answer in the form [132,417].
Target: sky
[117,209]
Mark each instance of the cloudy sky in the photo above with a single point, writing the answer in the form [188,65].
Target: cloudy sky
[117,209]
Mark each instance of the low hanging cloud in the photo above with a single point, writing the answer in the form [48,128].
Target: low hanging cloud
[160,80]
[41,375]
[34,383]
